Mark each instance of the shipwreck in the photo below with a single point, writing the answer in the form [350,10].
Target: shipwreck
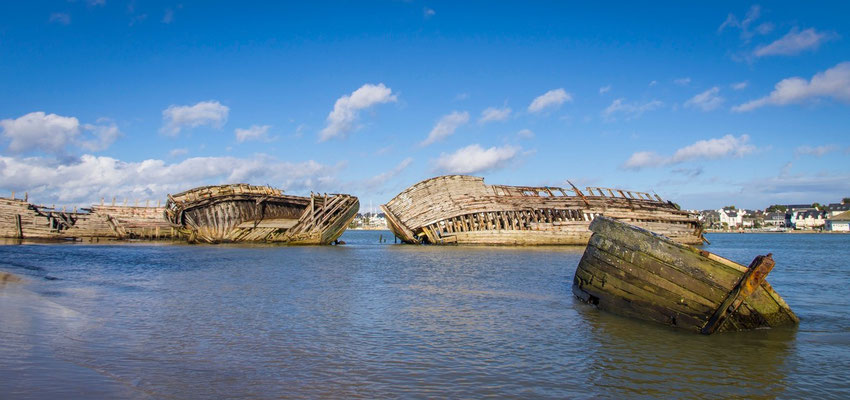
[241,212]
[463,209]
[632,272]
[20,219]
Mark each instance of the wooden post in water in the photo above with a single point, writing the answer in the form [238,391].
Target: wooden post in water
[750,281]
[18,227]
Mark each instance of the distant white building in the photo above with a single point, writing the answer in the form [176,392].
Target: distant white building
[732,218]
[837,208]
[775,219]
[838,223]
[809,219]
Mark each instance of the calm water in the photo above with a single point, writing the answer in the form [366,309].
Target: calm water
[382,320]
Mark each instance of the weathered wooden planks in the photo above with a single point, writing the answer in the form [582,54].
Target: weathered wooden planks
[633,272]
[241,212]
[471,212]
[23,220]
[210,214]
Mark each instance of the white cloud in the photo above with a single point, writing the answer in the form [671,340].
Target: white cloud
[255,132]
[446,126]
[428,12]
[473,159]
[552,98]
[604,89]
[682,81]
[715,148]
[50,133]
[60,18]
[630,110]
[816,151]
[653,83]
[794,42]
[740,85]
[709,149]
[209,113]
[347,109]
[53,134]
[88,179]
[706,101]
[379,180]
[103,136]
[525,134]
[643,159]
[834,83]
[744,25]
[492,114]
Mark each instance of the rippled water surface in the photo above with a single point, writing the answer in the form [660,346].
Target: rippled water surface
[381,320]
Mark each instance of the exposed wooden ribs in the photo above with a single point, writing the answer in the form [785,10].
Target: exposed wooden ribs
[466,209]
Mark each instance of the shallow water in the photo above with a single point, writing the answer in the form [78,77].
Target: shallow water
[382,320]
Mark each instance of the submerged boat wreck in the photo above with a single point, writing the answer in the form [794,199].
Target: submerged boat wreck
[629,271]
[463,209]
[241,212]
[20,219]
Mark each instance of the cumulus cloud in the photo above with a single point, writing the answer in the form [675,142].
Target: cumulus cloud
[255,132]
[50,133]
[102,136]
[644,159]
[88,179]
[709,149]
[493,114]
[343,118]
[630,110]
[740,85]
[209,113]
[551,99]
[794,42]
[525,134]
[833,83]
[473,159]
[428,12]
[54,134]
[604,89]
[706,101]
[446,126]
[816,151]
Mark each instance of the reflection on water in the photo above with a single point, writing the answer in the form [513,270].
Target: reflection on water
[380,320]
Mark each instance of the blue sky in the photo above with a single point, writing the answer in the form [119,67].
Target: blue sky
[706,105]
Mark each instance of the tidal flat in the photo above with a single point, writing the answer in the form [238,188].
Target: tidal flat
[375,320]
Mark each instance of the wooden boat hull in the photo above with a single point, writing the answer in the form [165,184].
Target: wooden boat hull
[20,219]
[629,271]
[245,213]
[458,209]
